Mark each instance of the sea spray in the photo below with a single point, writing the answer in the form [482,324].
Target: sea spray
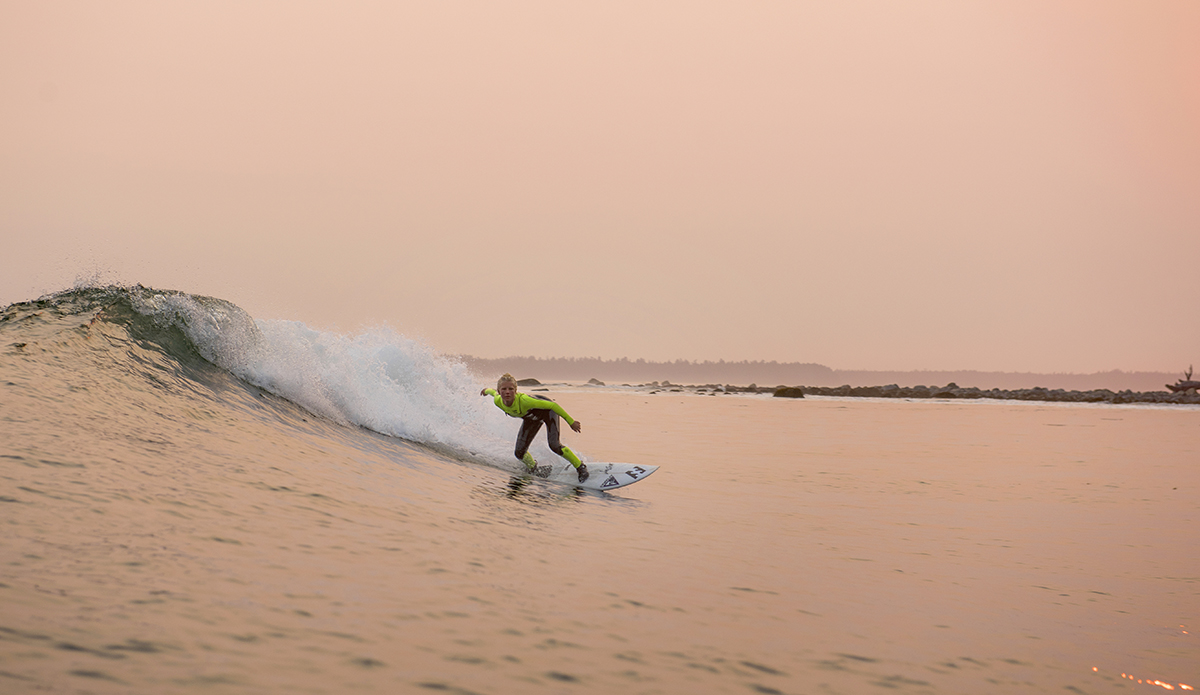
[378,379]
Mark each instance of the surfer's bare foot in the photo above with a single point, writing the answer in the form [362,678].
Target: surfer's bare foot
[582,471]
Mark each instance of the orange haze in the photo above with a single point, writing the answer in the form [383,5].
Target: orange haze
[1008,186]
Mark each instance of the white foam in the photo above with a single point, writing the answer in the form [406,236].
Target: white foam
[377,379]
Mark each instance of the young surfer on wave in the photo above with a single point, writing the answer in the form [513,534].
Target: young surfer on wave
[535,411]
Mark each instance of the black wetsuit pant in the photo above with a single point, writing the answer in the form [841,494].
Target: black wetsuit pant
[531,423]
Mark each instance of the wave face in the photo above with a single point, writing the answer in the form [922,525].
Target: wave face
[143,338]
[176,519]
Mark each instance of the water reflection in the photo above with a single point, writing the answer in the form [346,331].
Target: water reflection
[523,500]
[523,489]
[1155,682]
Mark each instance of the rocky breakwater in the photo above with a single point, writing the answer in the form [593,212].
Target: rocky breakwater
[949,391]
[713,389]
[954,391]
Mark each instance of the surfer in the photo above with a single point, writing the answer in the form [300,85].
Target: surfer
[535,411]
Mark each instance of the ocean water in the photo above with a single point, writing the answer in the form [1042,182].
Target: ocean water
[193,500]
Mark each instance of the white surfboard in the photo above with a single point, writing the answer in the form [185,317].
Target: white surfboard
[606,476]
[601,476]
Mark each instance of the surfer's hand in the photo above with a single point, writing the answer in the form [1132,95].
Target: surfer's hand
[483,391]
[577,426]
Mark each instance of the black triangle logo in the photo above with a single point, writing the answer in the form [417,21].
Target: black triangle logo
[610,482]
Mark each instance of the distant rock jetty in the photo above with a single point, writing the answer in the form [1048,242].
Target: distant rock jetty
[949,391]
[953,391]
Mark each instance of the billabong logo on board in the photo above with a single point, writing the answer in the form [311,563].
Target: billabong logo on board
[610,482]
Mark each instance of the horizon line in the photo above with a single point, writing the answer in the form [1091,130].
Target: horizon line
[620,360]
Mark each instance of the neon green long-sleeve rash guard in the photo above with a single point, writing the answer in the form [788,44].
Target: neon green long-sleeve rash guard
[523,403]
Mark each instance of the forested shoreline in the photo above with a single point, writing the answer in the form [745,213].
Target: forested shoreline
[624,370]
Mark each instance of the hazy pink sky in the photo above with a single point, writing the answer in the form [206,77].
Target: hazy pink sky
[877,185]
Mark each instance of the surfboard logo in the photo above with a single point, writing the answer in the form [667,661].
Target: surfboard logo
[610,482]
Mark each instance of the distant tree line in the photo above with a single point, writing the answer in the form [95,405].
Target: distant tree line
[625,370]
[642,371]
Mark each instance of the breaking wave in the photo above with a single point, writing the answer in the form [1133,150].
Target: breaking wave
[377,379]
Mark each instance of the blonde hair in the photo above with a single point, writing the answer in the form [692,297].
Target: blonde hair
[509,378]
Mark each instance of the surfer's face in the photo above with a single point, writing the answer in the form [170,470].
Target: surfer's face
[508,391]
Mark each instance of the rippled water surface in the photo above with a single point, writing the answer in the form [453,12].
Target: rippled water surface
[168,527]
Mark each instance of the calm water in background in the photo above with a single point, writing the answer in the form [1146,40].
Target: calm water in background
[169,527]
